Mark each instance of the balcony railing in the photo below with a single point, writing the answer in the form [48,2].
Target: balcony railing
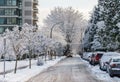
[35,18]
[35,10]
[35,1]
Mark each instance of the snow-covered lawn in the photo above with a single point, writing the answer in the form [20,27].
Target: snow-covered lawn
[102,75]
[25,74]
[11,64]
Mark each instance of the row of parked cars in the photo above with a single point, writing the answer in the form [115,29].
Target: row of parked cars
[107,61]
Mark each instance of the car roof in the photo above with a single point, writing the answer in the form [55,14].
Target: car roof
[99,52]
[117,57]
[114,53]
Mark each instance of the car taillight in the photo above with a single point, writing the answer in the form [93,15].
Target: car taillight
[97,57]
[113,65]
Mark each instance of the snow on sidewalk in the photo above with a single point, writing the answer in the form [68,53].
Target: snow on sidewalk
[25,74]
[10,65]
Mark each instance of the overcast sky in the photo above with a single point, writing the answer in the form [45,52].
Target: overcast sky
[84,6]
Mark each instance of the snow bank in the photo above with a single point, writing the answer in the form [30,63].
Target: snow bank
[25,74]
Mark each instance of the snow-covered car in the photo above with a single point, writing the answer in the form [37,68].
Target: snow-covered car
[96,56]
[113,67]
[105,58]
[87,55]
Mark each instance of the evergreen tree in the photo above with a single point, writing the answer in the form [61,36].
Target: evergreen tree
[104,27]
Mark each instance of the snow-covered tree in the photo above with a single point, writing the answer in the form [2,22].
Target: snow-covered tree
[68,21]
[16,41]
[107,25]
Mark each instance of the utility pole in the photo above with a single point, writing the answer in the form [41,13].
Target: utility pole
[4,55]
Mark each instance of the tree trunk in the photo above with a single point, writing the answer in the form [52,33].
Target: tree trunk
[16,65]
[67,50]
[45,56]
[55,54]
[30,52]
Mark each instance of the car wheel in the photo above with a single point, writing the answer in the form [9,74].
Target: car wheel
[93,63]
[90,62]
[101,68]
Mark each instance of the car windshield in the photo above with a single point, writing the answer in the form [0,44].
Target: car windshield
[116,60]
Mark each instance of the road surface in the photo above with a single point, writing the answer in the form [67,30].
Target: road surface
[67,70]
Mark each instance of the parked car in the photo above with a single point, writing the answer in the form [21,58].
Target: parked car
[95,58]
[113,67]
[87,55]
[105,58]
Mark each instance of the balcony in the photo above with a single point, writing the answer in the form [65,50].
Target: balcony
[35,2]
[35,18]
[35,10]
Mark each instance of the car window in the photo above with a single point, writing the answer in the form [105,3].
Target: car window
[116,60]
[100,55]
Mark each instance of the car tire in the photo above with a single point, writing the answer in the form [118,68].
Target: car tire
[90,62]
[93,63]
[101,68]
[111,75]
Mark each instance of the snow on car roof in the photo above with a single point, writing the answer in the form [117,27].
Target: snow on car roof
[112,53]
[116,57]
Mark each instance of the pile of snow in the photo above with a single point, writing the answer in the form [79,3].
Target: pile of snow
[25,74]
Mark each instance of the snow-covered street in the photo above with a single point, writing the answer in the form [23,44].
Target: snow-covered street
[68,70]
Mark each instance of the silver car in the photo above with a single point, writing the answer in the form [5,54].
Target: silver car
[105,58]
[113,67]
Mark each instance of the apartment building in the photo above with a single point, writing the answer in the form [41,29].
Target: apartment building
[17,12]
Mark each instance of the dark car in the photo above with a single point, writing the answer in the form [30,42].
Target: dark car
[113,67]
[95,58]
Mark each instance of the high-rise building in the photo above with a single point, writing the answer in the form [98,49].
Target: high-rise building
[17,12]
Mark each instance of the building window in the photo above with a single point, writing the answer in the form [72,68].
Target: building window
[1,30]
[14,2]
[28,21]
[11,20]
[2,2]
[28,13]
[2,12]
[7,12]
[8,21]
[2,20]
[28,4]
[10,11]
[9,2]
